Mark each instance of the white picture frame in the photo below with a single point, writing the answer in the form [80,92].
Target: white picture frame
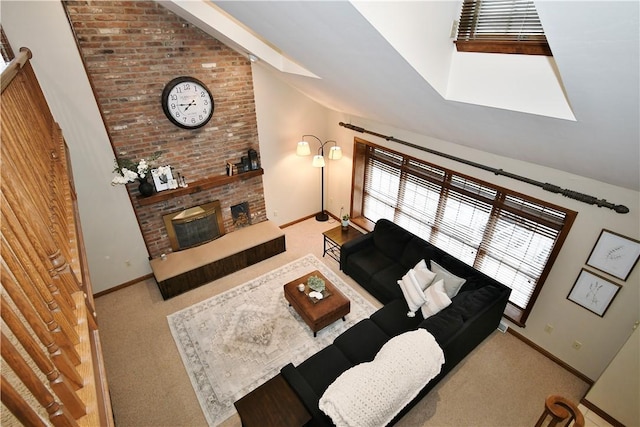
[614,254]
[162,178]
[593,292]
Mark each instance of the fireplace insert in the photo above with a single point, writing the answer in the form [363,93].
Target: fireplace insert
[194,226]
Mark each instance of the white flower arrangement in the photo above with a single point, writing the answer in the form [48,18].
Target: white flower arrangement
[128,170]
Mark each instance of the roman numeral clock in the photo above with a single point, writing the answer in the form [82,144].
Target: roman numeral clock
[187,102]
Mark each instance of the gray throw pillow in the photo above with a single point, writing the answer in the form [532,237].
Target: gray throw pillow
[452,283]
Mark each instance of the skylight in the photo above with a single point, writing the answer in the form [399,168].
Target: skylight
[523,83]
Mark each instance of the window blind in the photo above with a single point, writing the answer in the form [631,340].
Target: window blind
[382,182]
[504,234]
[501,26]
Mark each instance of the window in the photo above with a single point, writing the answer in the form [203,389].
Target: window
[508,236]
[501,26]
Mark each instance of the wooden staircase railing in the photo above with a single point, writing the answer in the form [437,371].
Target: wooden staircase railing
[52,367]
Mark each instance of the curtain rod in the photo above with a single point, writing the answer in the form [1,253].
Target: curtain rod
[585,198]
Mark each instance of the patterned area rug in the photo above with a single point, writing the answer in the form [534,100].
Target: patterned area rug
[234,342]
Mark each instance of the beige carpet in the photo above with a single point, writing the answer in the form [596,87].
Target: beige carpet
[502,383]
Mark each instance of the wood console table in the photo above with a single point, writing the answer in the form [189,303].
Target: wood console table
[188,269]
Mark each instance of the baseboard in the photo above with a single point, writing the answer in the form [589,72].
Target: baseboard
[289,224]
[545,353]
[599,412]
[124,285]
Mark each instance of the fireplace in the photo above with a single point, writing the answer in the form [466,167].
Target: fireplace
[241,215]
[194,226]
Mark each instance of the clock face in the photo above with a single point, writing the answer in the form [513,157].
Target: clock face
[187,102]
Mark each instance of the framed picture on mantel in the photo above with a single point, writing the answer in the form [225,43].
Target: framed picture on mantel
[162,178]
[614,254]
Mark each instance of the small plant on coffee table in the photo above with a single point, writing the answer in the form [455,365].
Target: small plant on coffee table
[315,283]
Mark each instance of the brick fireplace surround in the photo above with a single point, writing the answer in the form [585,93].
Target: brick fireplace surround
[131,49]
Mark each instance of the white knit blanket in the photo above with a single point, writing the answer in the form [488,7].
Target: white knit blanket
[371,394]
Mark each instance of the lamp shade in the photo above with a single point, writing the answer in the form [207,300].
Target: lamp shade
[335,153]
[318,161]
[303,148]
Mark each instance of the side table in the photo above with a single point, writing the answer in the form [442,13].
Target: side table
[335,238]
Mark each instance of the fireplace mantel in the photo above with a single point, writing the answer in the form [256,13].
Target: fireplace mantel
[197,186]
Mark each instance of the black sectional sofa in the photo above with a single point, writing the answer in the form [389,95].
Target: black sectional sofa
[376,261]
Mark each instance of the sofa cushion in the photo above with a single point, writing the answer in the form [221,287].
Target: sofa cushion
[390,239]
[472,302]
[384,284]
[363,264]
[393,320]
[436,299]
[361,342]
[444,325]
[323,368]
[416,250]
[452,283]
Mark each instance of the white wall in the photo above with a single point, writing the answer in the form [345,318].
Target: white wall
[617,391]
[291,184]
[115,250]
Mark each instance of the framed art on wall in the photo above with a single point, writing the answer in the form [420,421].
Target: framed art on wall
[593,292]
[614,254]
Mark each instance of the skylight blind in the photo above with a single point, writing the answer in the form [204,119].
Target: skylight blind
[501,26]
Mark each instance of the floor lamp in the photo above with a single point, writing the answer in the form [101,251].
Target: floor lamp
[335,153]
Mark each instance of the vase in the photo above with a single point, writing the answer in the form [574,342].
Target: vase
[345,224]
[145,188]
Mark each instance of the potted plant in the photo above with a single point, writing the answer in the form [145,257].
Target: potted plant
[345,221]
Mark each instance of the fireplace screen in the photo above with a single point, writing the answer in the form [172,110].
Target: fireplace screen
[194,226]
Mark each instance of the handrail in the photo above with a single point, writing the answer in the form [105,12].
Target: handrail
[14,66]
[561,410]
[51,342]
[581,197]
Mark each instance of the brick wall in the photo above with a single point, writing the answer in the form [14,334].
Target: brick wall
[132,49]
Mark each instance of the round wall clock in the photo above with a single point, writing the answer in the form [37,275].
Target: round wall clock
[187,102]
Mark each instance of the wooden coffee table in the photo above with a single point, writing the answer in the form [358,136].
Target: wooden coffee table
[317,314]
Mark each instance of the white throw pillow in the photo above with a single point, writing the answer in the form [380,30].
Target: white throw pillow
[437,299]
[423,274]
[413,293]
[452,283]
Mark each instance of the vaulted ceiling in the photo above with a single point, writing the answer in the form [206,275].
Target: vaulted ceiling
[330,51]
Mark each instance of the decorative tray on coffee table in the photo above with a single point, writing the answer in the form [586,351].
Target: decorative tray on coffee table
[325,294]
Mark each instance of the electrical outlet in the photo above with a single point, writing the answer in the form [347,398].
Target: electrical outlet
[549,328]
[127,263]
[577,345]
[275,213]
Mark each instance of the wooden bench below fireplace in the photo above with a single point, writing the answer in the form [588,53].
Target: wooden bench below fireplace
[190,268]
